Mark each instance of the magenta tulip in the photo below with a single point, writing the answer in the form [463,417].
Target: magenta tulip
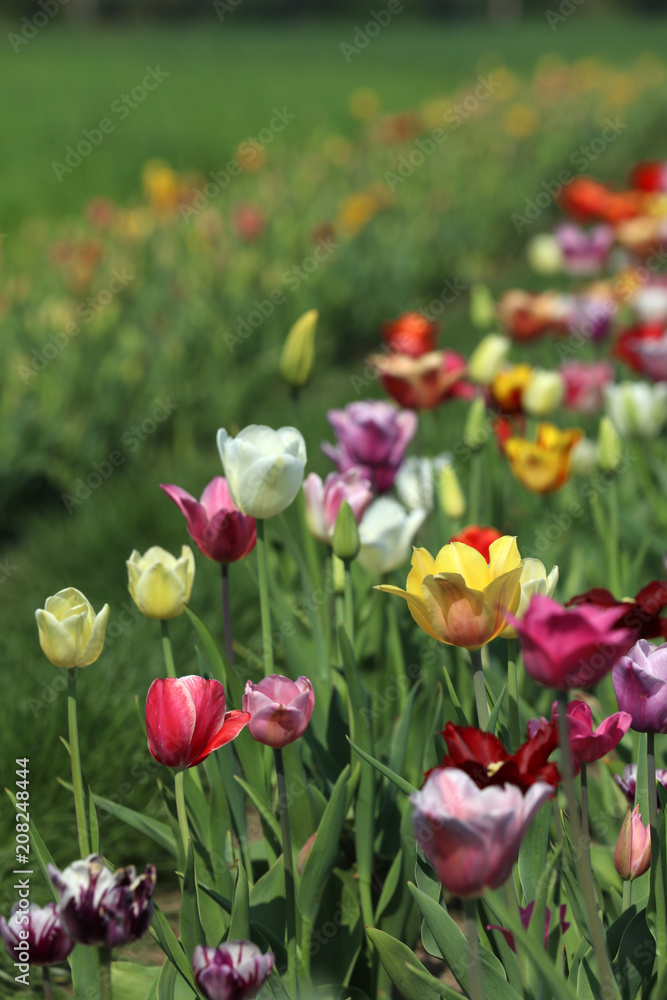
[279,709]
[234,970]
[186,720]
[372,435]
[588,745]
[37,931]
[584,251]
[323,500]
[570,648]
[584,384]
[640,684]
[526,913]
[627,781]
[470,835]
[215,523]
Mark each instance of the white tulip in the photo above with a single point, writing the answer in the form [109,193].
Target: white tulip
[488,358]
[386,533]
[637,408]
[264,468]
[416,479]
[534,580]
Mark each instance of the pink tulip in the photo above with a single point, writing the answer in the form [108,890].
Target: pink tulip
[586,745]
[584,382]
[373,436]
[186,720]
[470,835]
[323,500]
[632,856]
[584,251]
[234,970]
[640,685]
[627,781]
[570,648]
[215,523]
[279,709]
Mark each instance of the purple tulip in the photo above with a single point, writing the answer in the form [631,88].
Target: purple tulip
[627,781]
[100,907]
[232,971]
[37,931]
[372,435]
[584,251]
[324,499]
[215,523]
[592,316]
[280,709]
[640,685]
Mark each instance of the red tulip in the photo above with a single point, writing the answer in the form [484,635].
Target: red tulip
[642,613]
[186,720]
[215,523]
[649,175]
[411,334]
[630,347]
[279,708]
[478,538]
[425,382]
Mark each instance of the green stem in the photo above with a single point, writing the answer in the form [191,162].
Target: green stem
[480,688]
[227,616]
[585,827]
[513,692]
[181,811]
[105,973]
[265,608]
[609,986]
[627,895]
[290,903]
[77,777]
[167,650]
[475,494]
[349,606]
[475,985]
[613,550]
[46,982]
[657,883]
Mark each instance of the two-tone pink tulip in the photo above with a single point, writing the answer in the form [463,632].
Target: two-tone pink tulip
[279,709]
[324,499]
[216,525]
[234,970]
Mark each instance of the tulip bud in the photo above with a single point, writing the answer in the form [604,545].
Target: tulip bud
[632,856]
[450,494]
[585,458]
[304,853]
[609,445]
[482,307]
[345,541]
[488,358]
[544,254]
[476,429]
[543,392]
[298,355]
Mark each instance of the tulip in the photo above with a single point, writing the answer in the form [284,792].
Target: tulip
[632,856]
[425,382]
[264,468]
[544,254]
[637,408]
[372,435]
[526,912]
[641,613]
[70,633]
[37,930]
[588,745]
[652,356]
[215,523]
[160,584]
[478,538]
[640,685]
[649,175]
[508,386]
[386,533]
[627,781]
[584,384]
[100,907]
[584,251]
[345,541]
[186,720]
[450,495]
[279,709]
[482,306]
[592,316]
[585,200]
[609,448]
[570,648]
[415,480]
[460,599]
[298,354]
[488,358]
[323,500]
[411,334]
[534,580]
[542,393]
[628,346]
[234,970]
[528,315]
[542,466]
[476,427]
[472,836]
[584,458]
[650,302]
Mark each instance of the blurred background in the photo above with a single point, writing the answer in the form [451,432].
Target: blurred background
[182,179]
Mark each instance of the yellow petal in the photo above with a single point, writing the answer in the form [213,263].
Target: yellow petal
[503,556]
[503,596]
[457,557]
[415,604]
[422,564]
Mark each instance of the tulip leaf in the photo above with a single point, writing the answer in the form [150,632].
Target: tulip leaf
[533,853]
[324,851]
[576,900]
[636,955]
[433,724]
[239,928]
[302,810]
[267,897]
[429,883]
[409,976]
[452,944]
[191,930]
[454,699]
[389,887]
[360,727]
[157,831]
[269,822]
[132,981]
[493,718]
[39,847]
[170,945]
[94,825]
[401,783]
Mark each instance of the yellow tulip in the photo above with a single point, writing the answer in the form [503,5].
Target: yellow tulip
[160,584]
[459,598]
[298,355]
[70,633]
[543,466]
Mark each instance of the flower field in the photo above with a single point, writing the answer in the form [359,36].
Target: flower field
[335,540]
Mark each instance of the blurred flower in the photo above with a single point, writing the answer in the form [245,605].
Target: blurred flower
[345,542]
[584,384]
[488,358]
[584,251]
[584,458]
[627,781]
[411,334]
[528,315]
[542,393]
[586,744]
[186,720]
[386,533]
[542,466]
[364,103]
[521,120]
[323,500]
[477,538]
[640,685]
[450,495]
[234,970]
[508,386]
[415,480]
[357,210]
[586,200]
[632,855]
[649,175]
[637,408]
[162,186]
[40,931]
[279,709]
[641,612]
[249,222]
[425,382]
[484,758]
[630,344]
[592,316]
[650,356]
[372,435]
[534,580]
[570,648]
[264,468]
[159,583]
[100,907]
[544,254]
[70,633]
[460,599]
[482,306]
[472,836]
[526,913]
[298,354]
[609,448]
[650,302]
[215,523]
[101,212]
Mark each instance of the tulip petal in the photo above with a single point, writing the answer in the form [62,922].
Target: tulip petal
[457,614]
[457,558]
[95,643]
[232,725]
[159,592]
[423,564]
[416,605]
[269,485]
[60,640]
[170,721]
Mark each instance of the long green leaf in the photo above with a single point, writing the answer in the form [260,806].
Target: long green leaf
[401,783]
[239,928]
[192,932]
[412,980]
[159,832]
[325,850]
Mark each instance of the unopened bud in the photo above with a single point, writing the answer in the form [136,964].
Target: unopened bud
[632,856]
[482,307]
[298,355]
[476,429]
[345,542]
[488,358]
[609,445]
[450,494]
